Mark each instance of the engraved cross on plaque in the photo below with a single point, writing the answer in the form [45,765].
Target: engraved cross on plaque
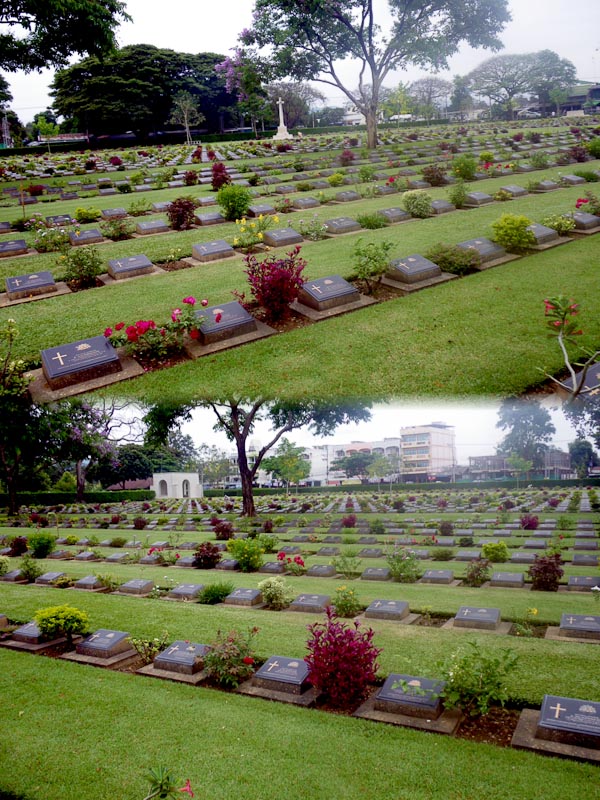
[273,665]
[558,708]
[59,357]
[316,288]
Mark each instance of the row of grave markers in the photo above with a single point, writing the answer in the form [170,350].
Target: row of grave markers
[564,726]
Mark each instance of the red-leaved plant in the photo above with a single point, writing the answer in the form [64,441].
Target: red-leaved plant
[546,572]
[529,522]
[275,282]
[342,660]
[220,176]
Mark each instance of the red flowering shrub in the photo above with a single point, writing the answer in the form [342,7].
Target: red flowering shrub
[342,660]
[349,521]
[275,282]
[546,572]
[230,658]
[220,176]
[181,213]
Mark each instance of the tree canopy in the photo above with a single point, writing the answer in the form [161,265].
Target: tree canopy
[136,88]
[529,427]
[288,464]
[306,39]
[43,34]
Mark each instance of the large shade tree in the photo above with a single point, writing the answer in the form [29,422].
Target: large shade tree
[136,88]
[237,419]
[44,33]
[306,39]
[550,74]
[529,430]
[502,78]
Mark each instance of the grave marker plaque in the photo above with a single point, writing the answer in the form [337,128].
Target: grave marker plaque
[80,238]
[387,609]
[508,580]
[302,203]
[184,657]
[48,578]
[328,551]
[13,247]
[375,574]
[475,199]
[282,237]
[56,220]
[244,597]
[444,576]
[321,571]
[228,564]
[224,322]
[580,626]
[29,633]
[341,225]
[310,602]
[442,206]
[79,361]
[137,587]
[412,269]
[410,695]
[281,674]
[186,591]
[104,643]
[585,222]
[152,226]
[514,190]
[570,721]
[486,249]
[260,209]
[272,568]
[487,619]
[394,215]
[543,234]
[113,213]
[90,582]
[30,285]
[129,267]
[212,251]
[330,292]
[210,218]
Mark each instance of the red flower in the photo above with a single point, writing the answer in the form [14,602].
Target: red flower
[581,201]
[132,334]
[194,333]
[175,314]
[204,303]
[191,301]
[177,555]
[281,556]
[218,317]
[548,307]
[119,326]
[248,660]
[187,788]
[108,332]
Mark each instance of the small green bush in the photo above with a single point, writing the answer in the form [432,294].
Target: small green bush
[81,266]
[371,260]
[117,229]
[476,680]
[234,200]
[346,603]
[148,649]
[539,160]
[337,179]
[4,565]
[372,221]
[58,621]
[502,196]
[84,215]
[30,568]
[496,552]
[41,543]
[417,203]
[442,554]
[454,259]
[486,157]
[404,565]
[230,658]
[588,175]
[511,233]
[593,147]
[214,593]
[366,173]
[457,193]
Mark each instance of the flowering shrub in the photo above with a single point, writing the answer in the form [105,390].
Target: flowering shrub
[342,660]
[117,229]
[478,572]
[148,649]
[247,552]
[417,203]
[464,166]
[51,240]
[220,176]
[590,203]
[346,602]
[146,340]
[163,785]
[276,593]
[295,565]
[230,658]
[314,229]
[250,233]
[180,213]
[275,282]
[546,572]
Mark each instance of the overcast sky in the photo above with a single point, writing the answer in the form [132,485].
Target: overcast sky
[474,426]
[571,29]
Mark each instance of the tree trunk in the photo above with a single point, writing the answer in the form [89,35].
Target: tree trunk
[248,508]
[80,475]
[13,505]
[371,117]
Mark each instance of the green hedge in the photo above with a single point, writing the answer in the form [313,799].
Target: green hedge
[66,498]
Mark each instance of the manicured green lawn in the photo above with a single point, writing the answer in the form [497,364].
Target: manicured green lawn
[482,335]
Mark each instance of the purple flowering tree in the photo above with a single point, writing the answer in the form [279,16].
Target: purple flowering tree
[242,73]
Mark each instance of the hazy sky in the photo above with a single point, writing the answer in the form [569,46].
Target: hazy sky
[474,426]
[570,29]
